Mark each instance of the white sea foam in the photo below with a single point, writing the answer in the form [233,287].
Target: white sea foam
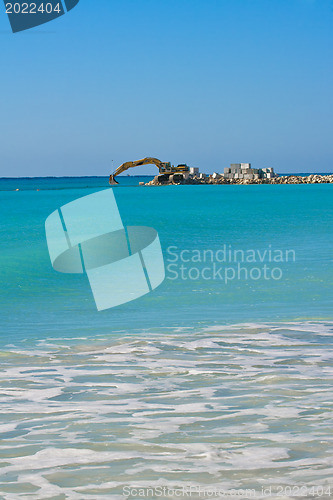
[232,405]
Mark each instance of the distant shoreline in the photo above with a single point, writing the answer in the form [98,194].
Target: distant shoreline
[301,174]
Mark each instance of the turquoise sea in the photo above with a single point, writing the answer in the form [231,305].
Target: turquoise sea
[218,381]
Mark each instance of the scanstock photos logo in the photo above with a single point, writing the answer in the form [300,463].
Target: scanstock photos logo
[24,15]
[87,236]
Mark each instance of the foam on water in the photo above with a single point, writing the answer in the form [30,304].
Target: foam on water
[243,406]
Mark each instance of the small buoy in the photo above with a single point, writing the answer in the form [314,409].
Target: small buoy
[16,189]
[37,189]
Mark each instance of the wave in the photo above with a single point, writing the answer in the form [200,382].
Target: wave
[234,407]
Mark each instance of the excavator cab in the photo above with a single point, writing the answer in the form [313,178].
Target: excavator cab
[164,167]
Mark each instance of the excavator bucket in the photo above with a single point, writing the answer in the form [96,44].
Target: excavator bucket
[112,181]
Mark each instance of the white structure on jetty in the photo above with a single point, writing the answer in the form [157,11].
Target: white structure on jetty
[244,171]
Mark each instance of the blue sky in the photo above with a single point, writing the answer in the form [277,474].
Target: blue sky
[205,82]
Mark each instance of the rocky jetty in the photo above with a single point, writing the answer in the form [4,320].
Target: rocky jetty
[285,179]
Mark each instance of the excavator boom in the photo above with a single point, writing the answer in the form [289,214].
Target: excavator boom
[130,164]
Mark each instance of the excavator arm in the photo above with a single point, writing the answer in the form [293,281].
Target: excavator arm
[131,164]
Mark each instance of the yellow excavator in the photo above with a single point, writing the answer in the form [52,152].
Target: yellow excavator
[165,169]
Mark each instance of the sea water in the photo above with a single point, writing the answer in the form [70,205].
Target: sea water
[206,384]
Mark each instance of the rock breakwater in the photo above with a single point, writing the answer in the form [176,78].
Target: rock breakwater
[284,179]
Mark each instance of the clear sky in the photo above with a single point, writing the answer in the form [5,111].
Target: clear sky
[202,82]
